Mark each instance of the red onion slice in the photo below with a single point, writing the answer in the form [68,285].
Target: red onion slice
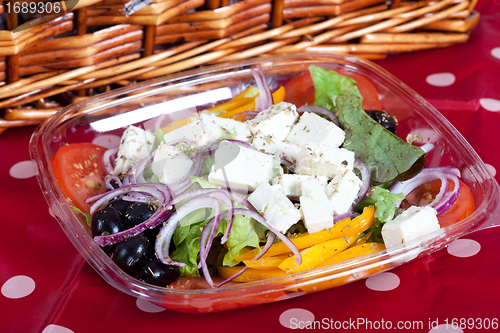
[165,234]
[320,110]
[106,159]
[148,189]
[270,241]
[443,200]
[365,181]
[259,218]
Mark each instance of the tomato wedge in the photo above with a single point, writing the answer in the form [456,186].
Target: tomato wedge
[300,91]
[79,170]
[463,206]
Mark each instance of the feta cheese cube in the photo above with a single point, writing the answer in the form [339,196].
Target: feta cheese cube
[276,208]
[277,121]
[192,132]
[217,128]
[171,164]
[313,128]
[411,224]
[239,167]
[317,210]
[342,191]
[291,184]
[135,145]
[319,159]
[270,144]
[316,217]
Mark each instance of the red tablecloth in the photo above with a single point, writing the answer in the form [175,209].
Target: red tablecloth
[46,286]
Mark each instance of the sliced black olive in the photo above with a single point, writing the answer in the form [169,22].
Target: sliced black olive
[106,221]
[138,212]
[131,253]
[156,273]
[383,118]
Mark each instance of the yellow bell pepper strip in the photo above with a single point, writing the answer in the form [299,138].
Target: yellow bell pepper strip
[278,96]
[351,253]
[266,262]
[342,228]
[363,239]
[317,254]
[235,102]
[250,274]
[354,252]
[177,124]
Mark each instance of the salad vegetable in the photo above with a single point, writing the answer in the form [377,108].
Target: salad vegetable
[259,187]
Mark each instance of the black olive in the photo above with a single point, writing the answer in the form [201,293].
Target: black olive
[383,118]
[120,205]
[130,254]
[156,273]
[106,221]
[138,212]
[114,183]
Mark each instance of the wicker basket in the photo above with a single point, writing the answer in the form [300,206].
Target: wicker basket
[55,59]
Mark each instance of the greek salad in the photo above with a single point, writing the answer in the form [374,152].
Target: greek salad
[275,181]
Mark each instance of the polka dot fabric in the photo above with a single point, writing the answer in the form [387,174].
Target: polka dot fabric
[46,286]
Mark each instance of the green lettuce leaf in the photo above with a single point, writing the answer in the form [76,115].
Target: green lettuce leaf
[245,232]
[384,201]
[387,156]
[329,84]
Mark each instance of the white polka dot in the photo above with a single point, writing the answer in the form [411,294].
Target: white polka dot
[446,328]
[56,329]
[383,282]
[496,52]
[293,317]
[491,169]
[464,248]
[148,306]
[490,104]
[107,140]
[51,212]
[18,286]
[22,170]
[440,79]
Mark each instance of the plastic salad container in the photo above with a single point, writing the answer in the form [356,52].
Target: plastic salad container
[161,101]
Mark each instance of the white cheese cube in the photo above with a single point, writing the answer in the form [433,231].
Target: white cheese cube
[342,191]
[313,128]
[277,120]
[319,159]
[135,145]
[411,224]
[239,167]
[276,208]
[316,216]
[192,132]
[217,128]
[291,184]
[316,207]
[171,164]
[270,144]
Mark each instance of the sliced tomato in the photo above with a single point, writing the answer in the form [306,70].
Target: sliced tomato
[463,207]
[79,170]
[424,194]
[300,91]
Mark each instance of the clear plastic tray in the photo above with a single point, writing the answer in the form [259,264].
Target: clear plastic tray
[176,96]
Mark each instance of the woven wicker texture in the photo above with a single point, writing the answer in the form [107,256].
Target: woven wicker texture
[50,60]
